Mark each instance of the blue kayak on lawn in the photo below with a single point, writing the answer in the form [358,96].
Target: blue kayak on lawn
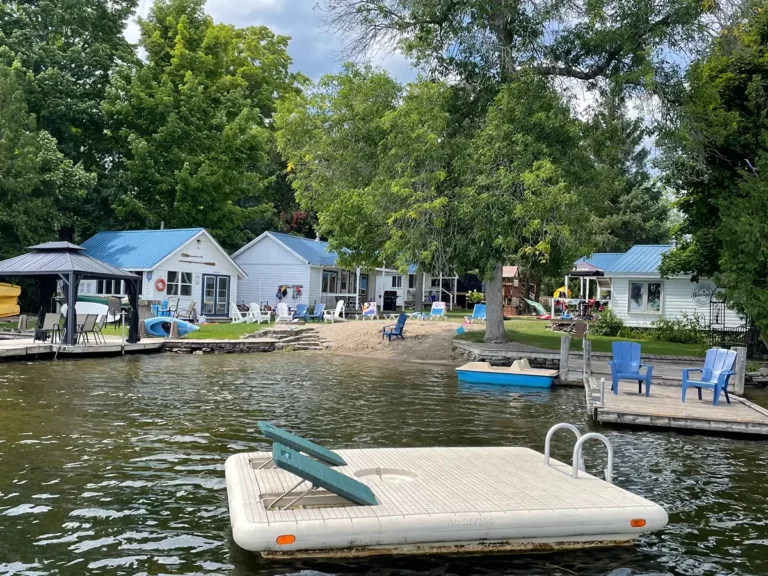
[161,326]
[519,374]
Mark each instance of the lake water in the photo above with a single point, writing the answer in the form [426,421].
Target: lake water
[115,466]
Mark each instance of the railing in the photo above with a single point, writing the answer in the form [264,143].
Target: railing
[551,432]
[578,456]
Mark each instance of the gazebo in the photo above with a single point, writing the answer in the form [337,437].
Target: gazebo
[52,261]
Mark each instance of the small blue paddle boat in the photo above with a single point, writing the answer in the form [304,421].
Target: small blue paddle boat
[161,326]
[519,374]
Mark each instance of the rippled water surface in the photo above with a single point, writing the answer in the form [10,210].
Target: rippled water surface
[115,466]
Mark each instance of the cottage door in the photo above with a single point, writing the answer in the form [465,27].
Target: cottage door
[215,295]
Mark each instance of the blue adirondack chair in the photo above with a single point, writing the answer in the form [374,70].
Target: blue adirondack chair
[318,315]
[301,312]
[626,366]
[718,368]
[395,329]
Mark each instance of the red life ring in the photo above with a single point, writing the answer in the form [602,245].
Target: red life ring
[160,284]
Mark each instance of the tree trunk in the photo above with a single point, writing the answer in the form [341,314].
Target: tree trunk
[419,290]
[494,324]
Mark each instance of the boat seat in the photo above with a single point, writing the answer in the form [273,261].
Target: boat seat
[300,444]
[319,476]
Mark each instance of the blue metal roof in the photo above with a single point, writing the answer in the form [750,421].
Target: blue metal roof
[603,260]
[640,259]
[137,249]
[313,251]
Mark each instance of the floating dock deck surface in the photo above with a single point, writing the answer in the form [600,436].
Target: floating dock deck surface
[665,408]
[433,500]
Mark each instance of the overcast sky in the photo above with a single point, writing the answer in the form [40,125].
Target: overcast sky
[313,50]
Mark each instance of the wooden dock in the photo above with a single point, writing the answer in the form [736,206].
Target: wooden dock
[26,349]
[665,409]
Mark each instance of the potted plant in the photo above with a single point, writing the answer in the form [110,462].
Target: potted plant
[474,297]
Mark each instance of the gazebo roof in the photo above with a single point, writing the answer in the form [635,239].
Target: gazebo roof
[53,258]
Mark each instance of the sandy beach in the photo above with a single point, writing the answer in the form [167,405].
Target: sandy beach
[425,341]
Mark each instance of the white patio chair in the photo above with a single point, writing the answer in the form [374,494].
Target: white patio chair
[283,315]
[236,315]
[255,314]
[337,315]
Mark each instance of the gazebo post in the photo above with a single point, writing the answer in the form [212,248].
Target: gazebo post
[132,286]
[71,309]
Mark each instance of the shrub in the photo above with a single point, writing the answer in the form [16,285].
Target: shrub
[607,324]
[687,329]
[475,297]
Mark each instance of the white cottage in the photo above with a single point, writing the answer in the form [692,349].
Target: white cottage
[307,273]
[639,295]
[186,263]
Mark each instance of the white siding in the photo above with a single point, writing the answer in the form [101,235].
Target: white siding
[676,299]
[315,284]
[195,258]
[270,265]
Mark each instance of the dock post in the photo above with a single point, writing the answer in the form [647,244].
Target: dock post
[740,368]
[602,391]
[586,347]
[174,332]
[23,323]
[565,349]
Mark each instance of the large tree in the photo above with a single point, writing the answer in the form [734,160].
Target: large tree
[67,52]
[716,158]
[482,45]
[632,208]
[38,185]
[191,124]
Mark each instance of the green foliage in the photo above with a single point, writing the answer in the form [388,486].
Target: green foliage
[607,324]
[38,185]
[686,329]
[716,158]
[632,208]
[475,297]
[190,124]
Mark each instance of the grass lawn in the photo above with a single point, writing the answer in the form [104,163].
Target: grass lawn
[534,333]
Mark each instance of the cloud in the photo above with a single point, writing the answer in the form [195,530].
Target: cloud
[313,49]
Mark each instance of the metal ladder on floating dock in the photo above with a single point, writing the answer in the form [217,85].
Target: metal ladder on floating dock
[578,452]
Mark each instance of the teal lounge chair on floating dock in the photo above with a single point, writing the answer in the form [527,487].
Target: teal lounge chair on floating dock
[519,374]
[431,501]
[300,444]
[319,476]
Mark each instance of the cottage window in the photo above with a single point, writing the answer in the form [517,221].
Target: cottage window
[330,280]
[435,282]
[397,281]
[344,274]
[110,287]
[645,297]
[411,281]
[179,283]
[516,282]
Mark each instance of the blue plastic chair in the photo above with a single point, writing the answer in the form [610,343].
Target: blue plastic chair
[301,312]
[318,315]
[626,366]
[478,313]
[395,330]
[718,368]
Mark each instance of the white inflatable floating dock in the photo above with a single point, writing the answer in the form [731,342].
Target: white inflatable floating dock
[428,500]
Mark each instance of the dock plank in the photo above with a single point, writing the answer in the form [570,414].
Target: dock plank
[664,408]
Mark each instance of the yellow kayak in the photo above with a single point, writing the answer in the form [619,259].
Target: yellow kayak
[9,299]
